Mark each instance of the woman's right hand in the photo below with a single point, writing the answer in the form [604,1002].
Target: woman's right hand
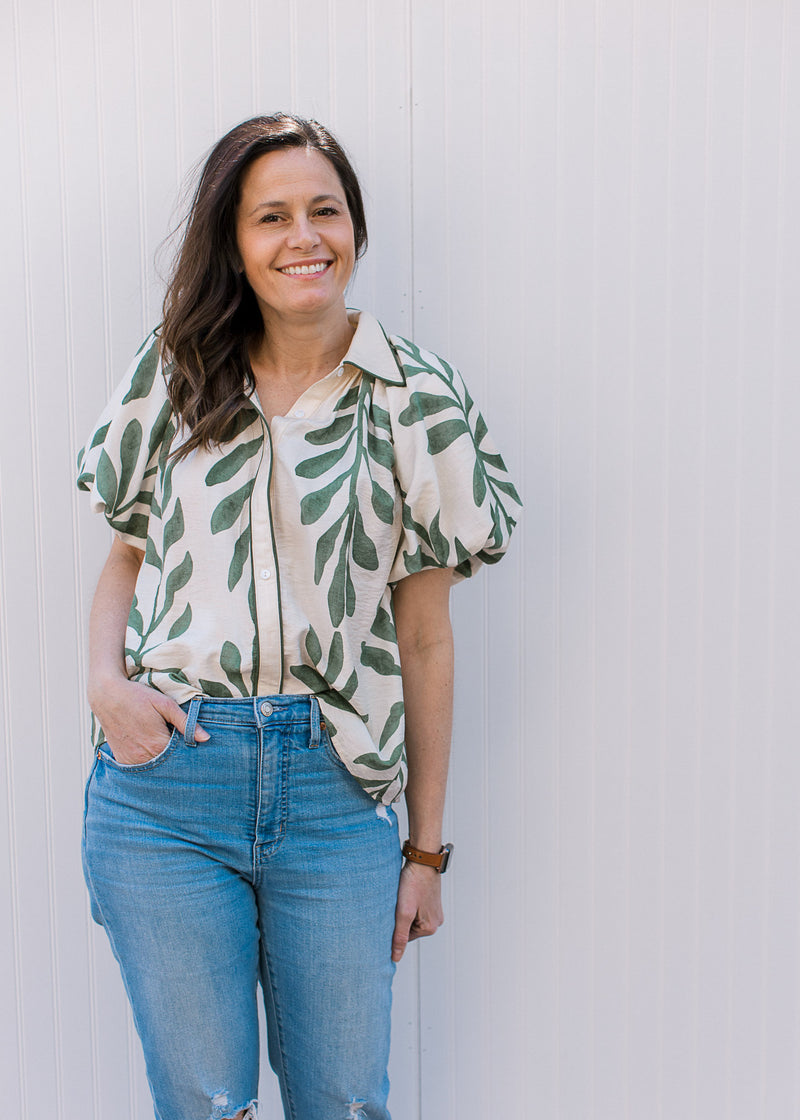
[136,720]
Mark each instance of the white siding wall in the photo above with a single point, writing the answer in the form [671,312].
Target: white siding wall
[591,207]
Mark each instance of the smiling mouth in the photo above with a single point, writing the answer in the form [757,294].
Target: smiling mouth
[305,269]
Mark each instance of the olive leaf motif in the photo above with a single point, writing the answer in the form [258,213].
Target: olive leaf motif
[446,432]
[178,578]
[229,510]
[352,440]
[489,477]
[321,678]
[145,375]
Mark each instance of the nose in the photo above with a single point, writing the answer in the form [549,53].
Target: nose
[302,234]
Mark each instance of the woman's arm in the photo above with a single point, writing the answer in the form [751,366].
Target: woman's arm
[425,639]
[133,716]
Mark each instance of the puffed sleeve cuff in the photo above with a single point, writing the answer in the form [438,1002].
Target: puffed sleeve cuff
[119,462]
[457,499]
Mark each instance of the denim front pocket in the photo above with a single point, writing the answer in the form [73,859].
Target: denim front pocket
[326,742]
[138,767]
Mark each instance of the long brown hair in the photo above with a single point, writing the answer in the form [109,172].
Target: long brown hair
[210,311]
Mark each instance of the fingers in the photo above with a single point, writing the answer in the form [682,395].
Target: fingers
[136,720]
[174,714]
[402,934]
[419,908]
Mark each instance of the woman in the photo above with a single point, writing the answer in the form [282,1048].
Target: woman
[292,494]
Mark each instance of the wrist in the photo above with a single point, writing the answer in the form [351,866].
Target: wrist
[437,860]
[102,684]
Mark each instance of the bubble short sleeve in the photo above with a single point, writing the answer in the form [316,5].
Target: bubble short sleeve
[119,462]
[457,499]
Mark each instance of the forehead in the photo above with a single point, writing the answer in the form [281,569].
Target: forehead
[278,176]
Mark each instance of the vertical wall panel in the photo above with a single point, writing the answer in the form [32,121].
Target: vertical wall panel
[591,210]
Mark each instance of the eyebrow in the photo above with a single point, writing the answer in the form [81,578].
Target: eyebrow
[277,203]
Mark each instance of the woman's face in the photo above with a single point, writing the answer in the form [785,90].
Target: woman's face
[295,235]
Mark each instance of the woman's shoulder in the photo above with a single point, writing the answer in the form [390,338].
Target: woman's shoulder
[420,364]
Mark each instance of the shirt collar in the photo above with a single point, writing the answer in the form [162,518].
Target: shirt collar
[371,351]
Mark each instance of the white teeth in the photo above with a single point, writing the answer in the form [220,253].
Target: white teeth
[304,269]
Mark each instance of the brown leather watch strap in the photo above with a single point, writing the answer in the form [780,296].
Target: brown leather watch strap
[437,860]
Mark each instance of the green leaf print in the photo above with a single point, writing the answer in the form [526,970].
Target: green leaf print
[478,484]
[135,620]
[347,535]
[321,464]
[256,646]
[134,526]
[492,460]
[176,579]
[383,626]
[215,689]
[349,399]
[364,552]
[181,624]
[381,450]
[323,677]
[241,554]
[336,589]
[313,646]
[226,468]
[414,526]
[99,436]
[381,418]
[230,660]
[129,447]
[151,555]
[334,431]
[159,429]
[442,435]
[313,680]
[441,547]
[380,660]
[144,377]
[392,723]
[507,488]
[350,686]
[325,547]
[375,762]
[462,553]
[167,466]
[106,480]
[230,508]
[423,404]
[337,700]
[174,528]
[382,504]
[335,658]
[416,561]
[313,506]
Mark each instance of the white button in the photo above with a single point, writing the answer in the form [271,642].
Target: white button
[266,708]
[299,412]
[265,573]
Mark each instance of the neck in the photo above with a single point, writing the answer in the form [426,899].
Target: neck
[301,352]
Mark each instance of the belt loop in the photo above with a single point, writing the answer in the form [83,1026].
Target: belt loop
[314,729]
[191,721]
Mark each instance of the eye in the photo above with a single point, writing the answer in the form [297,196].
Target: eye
[326,212]
[269,218]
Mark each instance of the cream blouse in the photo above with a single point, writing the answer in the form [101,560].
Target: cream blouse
[269,560]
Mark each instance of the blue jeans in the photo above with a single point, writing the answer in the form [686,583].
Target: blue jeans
[252,856]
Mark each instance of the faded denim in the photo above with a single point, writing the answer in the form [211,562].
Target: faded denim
[252,856]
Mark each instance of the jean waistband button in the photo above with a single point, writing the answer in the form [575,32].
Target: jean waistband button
[266,708]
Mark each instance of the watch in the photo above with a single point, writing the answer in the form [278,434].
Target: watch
[437,860]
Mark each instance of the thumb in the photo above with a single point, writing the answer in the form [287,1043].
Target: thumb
[173,713]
